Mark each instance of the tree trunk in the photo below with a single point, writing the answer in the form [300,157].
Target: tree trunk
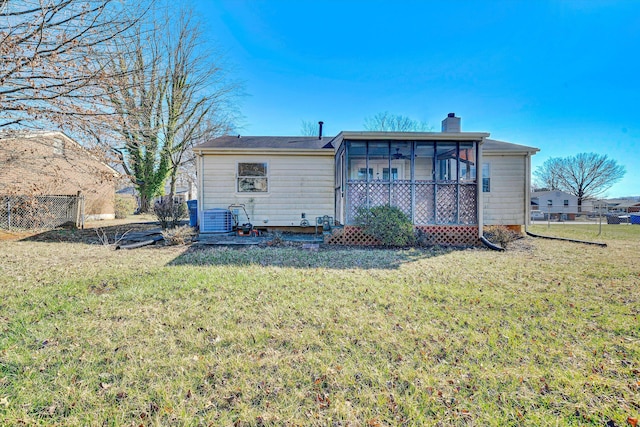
[145,203]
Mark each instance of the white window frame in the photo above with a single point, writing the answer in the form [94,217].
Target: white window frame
[487,177]
[238,177]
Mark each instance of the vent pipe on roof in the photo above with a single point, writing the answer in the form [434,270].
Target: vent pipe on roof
[320,130]
[451,123]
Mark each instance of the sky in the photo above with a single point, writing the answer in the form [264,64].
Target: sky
[562,76]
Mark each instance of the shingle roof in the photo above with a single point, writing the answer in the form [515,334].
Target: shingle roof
[268,142]
[495,145]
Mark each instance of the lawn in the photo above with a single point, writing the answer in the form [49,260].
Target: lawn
[546,333]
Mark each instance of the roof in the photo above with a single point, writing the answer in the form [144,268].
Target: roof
[307,143]
[48,137]
[547,192]
[267,143]
[492,145]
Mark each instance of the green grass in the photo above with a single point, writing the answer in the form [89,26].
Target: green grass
[547,333]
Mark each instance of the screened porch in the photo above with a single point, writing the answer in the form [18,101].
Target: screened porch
[432,182]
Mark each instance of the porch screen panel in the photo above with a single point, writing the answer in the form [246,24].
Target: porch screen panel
[468,204]
[378,193]
[446,202]
[467,161]
[357,168]
[446,161]
[423,159]
[357,197]
[425,213]
[400,175]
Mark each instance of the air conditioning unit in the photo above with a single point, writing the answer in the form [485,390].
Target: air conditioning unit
[217,220]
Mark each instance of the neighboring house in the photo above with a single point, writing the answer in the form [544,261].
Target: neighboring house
[555,203]
[448,182]
[51,163]
[186,188]
[623,205]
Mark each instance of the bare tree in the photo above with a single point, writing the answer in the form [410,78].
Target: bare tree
[585,175]
[167,97]
[198,100]
[136,90]
[387,122]
[309,128]
[548,174]
[47,52]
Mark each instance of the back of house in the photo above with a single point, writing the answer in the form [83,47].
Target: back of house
[449,183]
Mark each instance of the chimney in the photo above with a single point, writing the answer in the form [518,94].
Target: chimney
[451,123]
[320,130]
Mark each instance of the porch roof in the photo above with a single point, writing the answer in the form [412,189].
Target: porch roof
[494,146]
[408,136]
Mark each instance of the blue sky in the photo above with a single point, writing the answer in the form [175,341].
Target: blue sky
[562,76]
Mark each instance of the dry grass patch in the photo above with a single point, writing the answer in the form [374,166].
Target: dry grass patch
[544,334]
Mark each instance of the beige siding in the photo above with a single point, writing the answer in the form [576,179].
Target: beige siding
[505,203]
[297,184]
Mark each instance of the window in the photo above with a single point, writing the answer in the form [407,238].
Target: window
[486,178]
[549,202]
[394,174]
[252,178]
[566,202]
[58,147]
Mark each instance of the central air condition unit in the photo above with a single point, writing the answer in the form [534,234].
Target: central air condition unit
[217,221]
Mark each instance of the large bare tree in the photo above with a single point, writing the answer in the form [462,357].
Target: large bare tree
[585,175]
[136,90]
[199,95]
[168,94]
[48,70]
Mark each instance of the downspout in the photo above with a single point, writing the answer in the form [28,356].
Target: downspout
[479,198]
[527,192]
[200,178]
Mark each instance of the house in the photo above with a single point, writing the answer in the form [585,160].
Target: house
[37,163]
[449,183]
[555,203]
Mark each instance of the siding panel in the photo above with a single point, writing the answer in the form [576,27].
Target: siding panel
[297,184]
[505,203]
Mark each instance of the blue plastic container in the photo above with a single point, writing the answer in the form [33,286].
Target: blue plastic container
[193,212]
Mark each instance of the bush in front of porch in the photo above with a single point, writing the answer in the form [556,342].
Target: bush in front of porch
[386,223]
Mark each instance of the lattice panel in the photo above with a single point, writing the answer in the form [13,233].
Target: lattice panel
[401,196]
[452,235]
[378,194]
[443,235]
[446,204]
[425,212]
[468,204]
[352,236]
[356,197]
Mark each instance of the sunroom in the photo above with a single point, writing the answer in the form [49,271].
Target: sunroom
[431,177]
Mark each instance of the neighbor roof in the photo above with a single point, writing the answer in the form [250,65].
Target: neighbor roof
[267,142]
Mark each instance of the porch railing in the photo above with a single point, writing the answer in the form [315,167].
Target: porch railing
[425,202]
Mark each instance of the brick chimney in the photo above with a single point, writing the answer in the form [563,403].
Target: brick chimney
[451,123]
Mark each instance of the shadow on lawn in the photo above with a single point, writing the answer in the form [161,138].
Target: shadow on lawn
[295,257]
[90,235]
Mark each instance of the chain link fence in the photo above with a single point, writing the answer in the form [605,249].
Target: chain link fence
[40,212]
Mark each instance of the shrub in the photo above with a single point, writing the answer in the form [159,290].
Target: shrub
[125,206]
[423,238]
[169,213]
[386,223]
[178,235]
[500,235]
